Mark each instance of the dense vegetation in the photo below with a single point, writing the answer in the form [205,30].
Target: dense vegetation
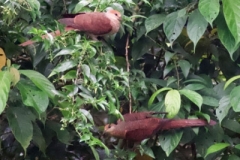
[169,55]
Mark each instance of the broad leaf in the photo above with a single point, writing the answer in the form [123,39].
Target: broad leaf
[235,99]
[169,141]
[20,121]
[225,35]
[33,96]
[224,106]
[210,101]
[192,96]
[231,125]
[40,81]
[196,26]
[185,67]
[209,9]
[5,81]
[194,86]
[216,147]
[232,17]
[174,24]
[154,21]
[38,138]
[63,67]
[172,103]
[230,81]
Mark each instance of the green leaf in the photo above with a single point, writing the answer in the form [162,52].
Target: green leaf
[210,101]
[185,67]
[192,96]
[232,17]
[206,116]
[174,24]
[87,114]
[194,86]
[62,134]
[80,5]
[230,81]
[168,55]
[155,94]
[95,153]
[209,9]
[5,82]
[231,125]
[63,67]
[216,147]
[235,99]
[224,106]
[86,70]
[169,141]
[32,96]
[237,146]
[154,21]
[148,151]
[140,47]
[225,35]
[41,82]
[196,26]
[172,103]
[20,121]
[38,138]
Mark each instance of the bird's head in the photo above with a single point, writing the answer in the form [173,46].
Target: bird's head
[109,128]
[115,14]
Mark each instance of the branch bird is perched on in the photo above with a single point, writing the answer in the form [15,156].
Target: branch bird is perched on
[142,127]
[93,23]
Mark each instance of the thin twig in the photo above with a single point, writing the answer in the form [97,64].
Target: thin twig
[128,70]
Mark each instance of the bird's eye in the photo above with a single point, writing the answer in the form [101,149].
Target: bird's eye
[109,126]
[116,14]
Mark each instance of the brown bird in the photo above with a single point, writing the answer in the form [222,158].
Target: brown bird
[93,23]
[140,129]
[138,116]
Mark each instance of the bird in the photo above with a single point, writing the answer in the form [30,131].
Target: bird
[139,115]
[142,128]
[93,23]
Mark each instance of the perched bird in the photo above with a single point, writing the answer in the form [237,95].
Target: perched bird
[93,23]
[139,128]
[138,116]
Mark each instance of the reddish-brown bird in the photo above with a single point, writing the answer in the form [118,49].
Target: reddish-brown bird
[139,129]
[93,23]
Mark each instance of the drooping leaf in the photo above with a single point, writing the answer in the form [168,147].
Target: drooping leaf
[235,99]
[224,106]
[169,141]
[216,147]
[231,125]
[168,55]
[154,21]
[38,138]
[209,9]
[172,103]
[185,67]
[33,96]
[20,122]
[194,86]
[192,96]
[5,81]
[40,81]
[196,27]
[225,35]
[174,24]
[232,17]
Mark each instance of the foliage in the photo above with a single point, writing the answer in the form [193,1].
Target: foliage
[176,56]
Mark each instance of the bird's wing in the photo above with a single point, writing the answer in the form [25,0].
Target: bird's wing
[95,23]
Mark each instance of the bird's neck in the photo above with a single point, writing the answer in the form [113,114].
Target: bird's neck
[115,23]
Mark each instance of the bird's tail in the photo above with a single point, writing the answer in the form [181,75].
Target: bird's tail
[54,34]
[183,123]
